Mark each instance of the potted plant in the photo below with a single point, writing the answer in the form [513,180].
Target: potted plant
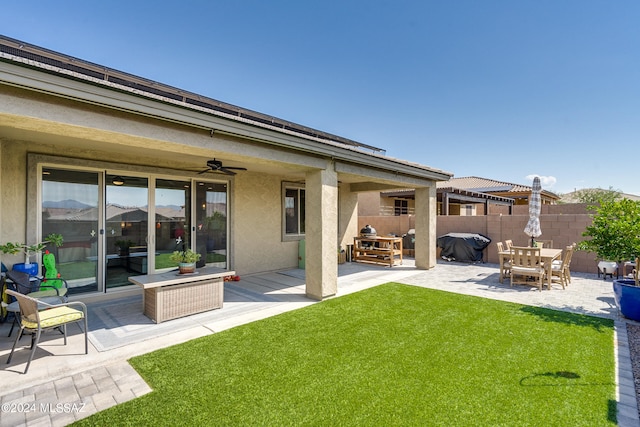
[186,260]
[123,246]
[615,236]
[13,248]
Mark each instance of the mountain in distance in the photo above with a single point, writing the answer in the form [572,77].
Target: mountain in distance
[66,204]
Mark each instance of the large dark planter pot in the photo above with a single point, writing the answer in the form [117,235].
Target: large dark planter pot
[627,297]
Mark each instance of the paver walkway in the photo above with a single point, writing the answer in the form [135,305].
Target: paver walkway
[61,389]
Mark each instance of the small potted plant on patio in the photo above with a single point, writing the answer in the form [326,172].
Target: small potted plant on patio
[615,236]
[13,248]
[186,260]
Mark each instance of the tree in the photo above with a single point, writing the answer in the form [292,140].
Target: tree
[615,231]
[593,196]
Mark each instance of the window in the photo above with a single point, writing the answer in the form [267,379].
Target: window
[401,207]
[293,211]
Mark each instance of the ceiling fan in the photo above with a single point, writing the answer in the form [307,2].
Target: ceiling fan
[216,166]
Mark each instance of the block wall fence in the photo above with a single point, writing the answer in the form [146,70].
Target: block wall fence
[564,224]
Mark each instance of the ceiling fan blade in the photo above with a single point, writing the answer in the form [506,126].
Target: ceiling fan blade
[203,171]
[235,168]
[227,171]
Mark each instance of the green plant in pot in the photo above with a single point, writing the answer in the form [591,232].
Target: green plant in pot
[615,236]
[123,246]
[13,248]
[186,260]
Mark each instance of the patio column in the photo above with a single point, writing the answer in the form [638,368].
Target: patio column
[425,245]
[321,233]
[348,219]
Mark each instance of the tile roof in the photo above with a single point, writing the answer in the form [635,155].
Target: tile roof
[486,185]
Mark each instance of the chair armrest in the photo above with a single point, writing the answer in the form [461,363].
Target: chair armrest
[47,285]
[80,304]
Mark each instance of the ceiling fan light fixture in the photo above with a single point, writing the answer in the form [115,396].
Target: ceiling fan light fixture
[117,181]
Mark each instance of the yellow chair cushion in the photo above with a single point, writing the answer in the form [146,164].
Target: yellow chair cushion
[53,317]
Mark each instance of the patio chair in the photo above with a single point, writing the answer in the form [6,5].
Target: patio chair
[562,268]
[505,262]
[36,287]
[508,244]
[544,243]
[526,266]
[37,321]
[32,286]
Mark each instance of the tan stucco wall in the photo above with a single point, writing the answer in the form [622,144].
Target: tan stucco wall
[13,196]
[257,225]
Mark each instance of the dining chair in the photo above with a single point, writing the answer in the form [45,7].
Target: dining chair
[505,262]
[560,269]
[544,243]
[565,263]
[526,266]
[36,321]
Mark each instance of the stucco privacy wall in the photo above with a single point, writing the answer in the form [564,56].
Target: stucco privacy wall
[564,227]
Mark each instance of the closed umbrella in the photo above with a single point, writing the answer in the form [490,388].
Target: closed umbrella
[533,226]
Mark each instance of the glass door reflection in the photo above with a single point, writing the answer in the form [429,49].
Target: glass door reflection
[173,220]
[126,228]
[211,223]
[70,207]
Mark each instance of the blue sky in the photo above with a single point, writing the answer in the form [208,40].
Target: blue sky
[497,89]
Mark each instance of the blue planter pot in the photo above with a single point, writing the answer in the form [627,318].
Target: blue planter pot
[31,269]
[627,297]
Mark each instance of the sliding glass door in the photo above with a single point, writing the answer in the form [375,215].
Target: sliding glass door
[71,207]
[211,223]
[120,225]
[126,228]
[172,220]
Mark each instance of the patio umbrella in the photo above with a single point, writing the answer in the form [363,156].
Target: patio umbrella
[533,226]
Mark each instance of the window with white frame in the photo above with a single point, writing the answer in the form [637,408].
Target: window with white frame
[293,201]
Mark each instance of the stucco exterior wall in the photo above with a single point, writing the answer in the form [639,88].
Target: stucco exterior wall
[257,226]
[13,196]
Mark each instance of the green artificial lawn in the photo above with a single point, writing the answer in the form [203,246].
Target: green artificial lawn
[389,355]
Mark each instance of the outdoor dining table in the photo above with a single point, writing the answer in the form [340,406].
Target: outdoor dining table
[547,256]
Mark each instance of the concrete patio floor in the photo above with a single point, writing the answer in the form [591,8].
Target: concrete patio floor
[84,384]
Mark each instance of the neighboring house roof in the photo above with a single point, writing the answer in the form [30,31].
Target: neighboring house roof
[456,194]
[486,185]
[113,213]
